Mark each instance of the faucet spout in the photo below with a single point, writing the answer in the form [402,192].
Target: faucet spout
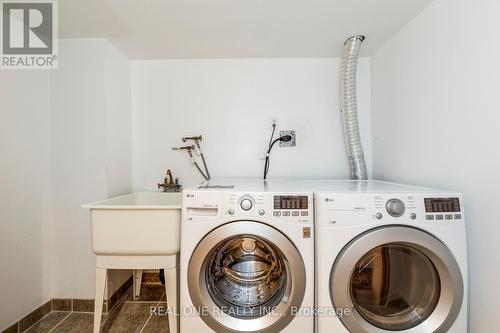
[169,185]
[169,177]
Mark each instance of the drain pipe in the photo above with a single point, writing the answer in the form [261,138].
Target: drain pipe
[349,107]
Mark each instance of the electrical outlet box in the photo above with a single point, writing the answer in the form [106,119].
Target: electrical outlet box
[290,143]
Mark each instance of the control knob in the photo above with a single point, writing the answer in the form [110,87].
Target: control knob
[395,207]
[246,204]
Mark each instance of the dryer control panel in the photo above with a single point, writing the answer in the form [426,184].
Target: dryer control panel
[351,209]
[442,208]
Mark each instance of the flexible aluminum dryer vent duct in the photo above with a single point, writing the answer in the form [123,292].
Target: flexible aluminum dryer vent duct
[349,107]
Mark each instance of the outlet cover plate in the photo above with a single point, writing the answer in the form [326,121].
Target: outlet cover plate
[290,143]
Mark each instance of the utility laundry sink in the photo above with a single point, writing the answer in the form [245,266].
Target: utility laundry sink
[137,231]
[145,223]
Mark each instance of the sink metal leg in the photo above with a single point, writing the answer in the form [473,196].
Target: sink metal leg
[172,292]
[100,285]
[137,283]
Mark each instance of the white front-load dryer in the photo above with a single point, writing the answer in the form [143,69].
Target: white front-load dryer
[247,258]
[389,258]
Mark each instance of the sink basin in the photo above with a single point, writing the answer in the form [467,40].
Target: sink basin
[146,223]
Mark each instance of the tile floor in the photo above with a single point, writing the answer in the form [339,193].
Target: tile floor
[129,315]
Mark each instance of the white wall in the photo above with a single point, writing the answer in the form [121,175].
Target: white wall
[65,139]
[436,122]
[118,121]
[91,153]
[231,103]
[25,195]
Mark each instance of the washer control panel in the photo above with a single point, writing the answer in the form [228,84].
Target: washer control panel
[276,206]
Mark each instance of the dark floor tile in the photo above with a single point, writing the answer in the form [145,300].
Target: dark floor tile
[131,317]
[35,316]
[156,325]
[83,305]
[76,323]
[12,329]
[61,304]
[150,292]
[151,277]
[47,323]
[111,316]
[158,322]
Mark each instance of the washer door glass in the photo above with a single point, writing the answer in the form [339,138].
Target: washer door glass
[395,287]
[246,276]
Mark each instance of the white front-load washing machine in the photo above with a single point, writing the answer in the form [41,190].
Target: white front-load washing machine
[389,258]
[247,258]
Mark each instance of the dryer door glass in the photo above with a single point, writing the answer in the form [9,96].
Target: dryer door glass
[395,287]
[397,278]
[246,276]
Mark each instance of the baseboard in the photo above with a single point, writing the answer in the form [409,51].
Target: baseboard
[69,305]
[111,302]
[30,319]
[87,305]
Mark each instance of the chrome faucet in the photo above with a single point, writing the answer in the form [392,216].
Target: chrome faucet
[169,184]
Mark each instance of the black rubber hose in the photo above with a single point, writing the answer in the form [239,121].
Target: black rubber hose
[266,168]
[268,161]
